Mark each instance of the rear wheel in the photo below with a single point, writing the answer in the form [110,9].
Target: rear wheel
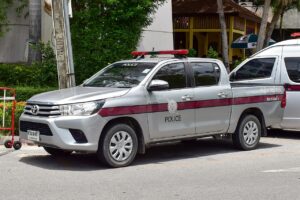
[118,147]
[57,152]
[248,133]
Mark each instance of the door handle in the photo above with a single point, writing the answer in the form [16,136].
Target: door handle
[186,98]
[222,95]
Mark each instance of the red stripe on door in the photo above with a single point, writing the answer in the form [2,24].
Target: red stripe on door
[138,109]
[293,88]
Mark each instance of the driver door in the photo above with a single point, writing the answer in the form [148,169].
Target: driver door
[171,110]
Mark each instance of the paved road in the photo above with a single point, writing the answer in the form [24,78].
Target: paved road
[207,169]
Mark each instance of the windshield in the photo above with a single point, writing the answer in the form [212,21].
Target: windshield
[121,75]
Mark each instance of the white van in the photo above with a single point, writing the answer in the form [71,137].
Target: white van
[276,64]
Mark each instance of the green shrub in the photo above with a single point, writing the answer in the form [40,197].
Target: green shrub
[24,93]
[42,74]
[19,109]
[105,31]
[192,53]
[212,53]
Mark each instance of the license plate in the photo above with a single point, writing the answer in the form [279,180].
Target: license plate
[33,135]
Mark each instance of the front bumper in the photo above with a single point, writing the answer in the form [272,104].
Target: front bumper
[61,136]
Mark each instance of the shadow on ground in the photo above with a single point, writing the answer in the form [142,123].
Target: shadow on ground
[284,134]
[156,154]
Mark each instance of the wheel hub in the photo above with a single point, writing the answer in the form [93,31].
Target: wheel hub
[250,132]
[121,146]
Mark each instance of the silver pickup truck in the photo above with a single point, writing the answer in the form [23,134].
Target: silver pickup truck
[132,104]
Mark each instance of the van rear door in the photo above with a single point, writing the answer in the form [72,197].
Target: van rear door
[290,74]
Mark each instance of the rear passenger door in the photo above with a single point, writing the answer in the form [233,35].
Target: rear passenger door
[212,98]
[291,75]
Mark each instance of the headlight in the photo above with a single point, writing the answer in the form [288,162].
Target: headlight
[81,109]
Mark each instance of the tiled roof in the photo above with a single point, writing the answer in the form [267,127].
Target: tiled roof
[198,7]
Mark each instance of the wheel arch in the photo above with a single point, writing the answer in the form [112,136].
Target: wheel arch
[133,123]
[257,113]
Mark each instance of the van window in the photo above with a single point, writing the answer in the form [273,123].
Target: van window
[206,74]
[293,68]
[255,69]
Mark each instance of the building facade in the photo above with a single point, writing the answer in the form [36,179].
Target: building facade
[197,26]
[14,44]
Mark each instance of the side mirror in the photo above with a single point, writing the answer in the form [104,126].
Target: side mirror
[157,85]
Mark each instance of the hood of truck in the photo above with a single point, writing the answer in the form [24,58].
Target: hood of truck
[77,95]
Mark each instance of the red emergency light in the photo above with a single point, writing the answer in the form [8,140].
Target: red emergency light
[295,35]
[181,52]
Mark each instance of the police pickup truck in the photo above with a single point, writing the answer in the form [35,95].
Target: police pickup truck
[132,104]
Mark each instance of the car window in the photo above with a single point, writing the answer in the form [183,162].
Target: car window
[174,74]
[206,74]
[255,69]
[121,75]
[293,68]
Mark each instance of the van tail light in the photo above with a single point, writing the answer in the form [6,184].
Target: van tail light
[283,100]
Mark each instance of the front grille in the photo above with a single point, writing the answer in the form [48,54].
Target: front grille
[44,129]
[42,110]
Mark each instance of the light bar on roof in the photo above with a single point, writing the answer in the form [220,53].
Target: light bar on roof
[295,35]
[167,52]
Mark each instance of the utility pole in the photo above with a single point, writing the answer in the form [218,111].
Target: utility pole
[63,45]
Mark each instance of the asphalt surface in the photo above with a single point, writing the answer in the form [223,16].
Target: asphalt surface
[207,169]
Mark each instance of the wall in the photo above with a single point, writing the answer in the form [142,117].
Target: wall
[13,45]
[159,35]
[291,20]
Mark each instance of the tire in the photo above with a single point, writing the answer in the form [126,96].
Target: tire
[57,152]
[17,145]
[8,144]
[248,133]
[118,146]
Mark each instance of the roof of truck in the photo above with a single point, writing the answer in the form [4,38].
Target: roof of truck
[288,42]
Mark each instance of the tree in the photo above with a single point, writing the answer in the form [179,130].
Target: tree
[105,31]
[224,34]
[279,8]
[263,25]
[35,30]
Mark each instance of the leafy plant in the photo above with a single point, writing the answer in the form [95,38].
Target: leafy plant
[40,74]
[19,109]
[105,31]
[211,53]
[192,53]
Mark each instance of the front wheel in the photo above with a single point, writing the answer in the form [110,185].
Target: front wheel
[118,147]
[248,133]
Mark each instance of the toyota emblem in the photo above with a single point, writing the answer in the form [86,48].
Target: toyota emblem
[35,109]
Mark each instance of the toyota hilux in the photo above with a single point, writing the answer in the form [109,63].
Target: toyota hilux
[132,104]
